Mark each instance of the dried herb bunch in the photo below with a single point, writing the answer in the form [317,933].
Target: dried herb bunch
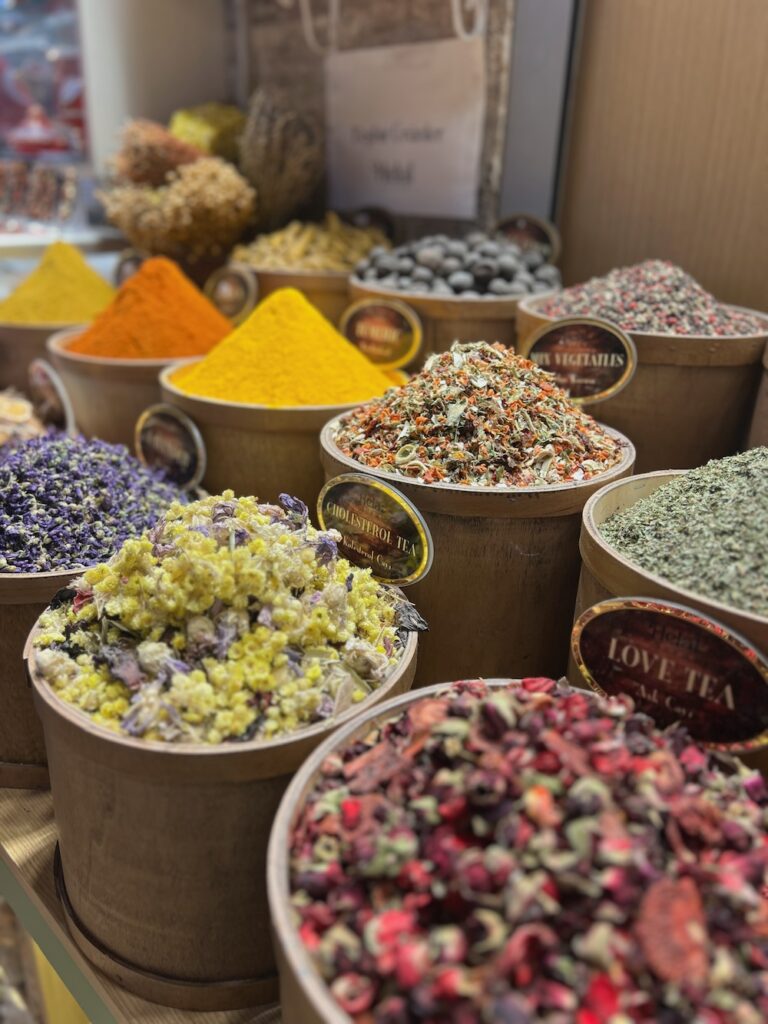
[479,415]
[282,155]
[199,213]
[534,855]
[148,153]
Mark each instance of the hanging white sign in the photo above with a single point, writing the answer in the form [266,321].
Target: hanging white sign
[405,127]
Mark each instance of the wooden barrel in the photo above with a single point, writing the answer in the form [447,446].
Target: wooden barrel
[107,395]
[758,431]
[327,291]
[255,449]
[304,995]
[606,573]
[163,850]
[450,318]
[690,399]
[499,597]
[23,596]
[19,345]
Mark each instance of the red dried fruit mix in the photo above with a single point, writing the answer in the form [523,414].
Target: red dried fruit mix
[533,854]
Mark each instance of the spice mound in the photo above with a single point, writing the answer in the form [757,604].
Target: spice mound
[330,246]
[62,289]
[534,854]
[479,415]
[229,620]
[478,266]
[706,531]
[67,503]
[157,314]
[285,354]
[654,297]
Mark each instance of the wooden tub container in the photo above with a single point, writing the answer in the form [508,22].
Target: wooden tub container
[758,431]
[23,597]
[690,399]
[256,449]
[20,344]
[499,597]
[447,319]
[304,995]
[328,292]
[607,573]
[163,850]
[107,395]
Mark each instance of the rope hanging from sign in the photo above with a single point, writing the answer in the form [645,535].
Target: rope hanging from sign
[480,22]
[308,27]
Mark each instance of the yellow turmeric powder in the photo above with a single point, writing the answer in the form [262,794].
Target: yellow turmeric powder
[62,289]
[285,354]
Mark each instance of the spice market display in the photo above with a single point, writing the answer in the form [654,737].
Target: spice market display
[533,854]
[474,267]
[214,784]
[654,297]
[68,503]
[285,354]
[695,531]
[229,620]
[478,416]
[157,314]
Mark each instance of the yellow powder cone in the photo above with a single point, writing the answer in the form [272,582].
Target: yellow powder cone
[62,289]
[285,354]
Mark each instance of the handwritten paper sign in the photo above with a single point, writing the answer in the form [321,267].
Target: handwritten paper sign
[405,127]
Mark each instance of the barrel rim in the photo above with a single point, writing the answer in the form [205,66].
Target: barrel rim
[58,345]
[337,278]
[40,328]
[304,973]
[471,308]
[592,541]
[528,305]
[36,582]
[242,407]
[458,491]
[224,752]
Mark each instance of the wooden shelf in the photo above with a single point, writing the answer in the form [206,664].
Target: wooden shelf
[27,844]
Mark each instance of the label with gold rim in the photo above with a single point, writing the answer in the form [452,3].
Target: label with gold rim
[233,290]
[128,263]
[49,397]
[387,331]
[168,440]
[678,666]
[528,231]
[591,359]
[381,529]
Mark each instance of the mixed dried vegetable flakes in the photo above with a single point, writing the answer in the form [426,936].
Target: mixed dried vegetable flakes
[479,415]
[534,855]
[230,620]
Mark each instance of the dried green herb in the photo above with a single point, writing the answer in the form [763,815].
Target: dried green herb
[706,531]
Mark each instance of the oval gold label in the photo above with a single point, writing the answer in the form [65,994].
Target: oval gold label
[388,332]
[528,231]
[678,666]
[591,359]
[233,290]
[49,397]
[169,441]
[380,528]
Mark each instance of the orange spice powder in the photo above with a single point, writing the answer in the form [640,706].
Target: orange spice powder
[157,314]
